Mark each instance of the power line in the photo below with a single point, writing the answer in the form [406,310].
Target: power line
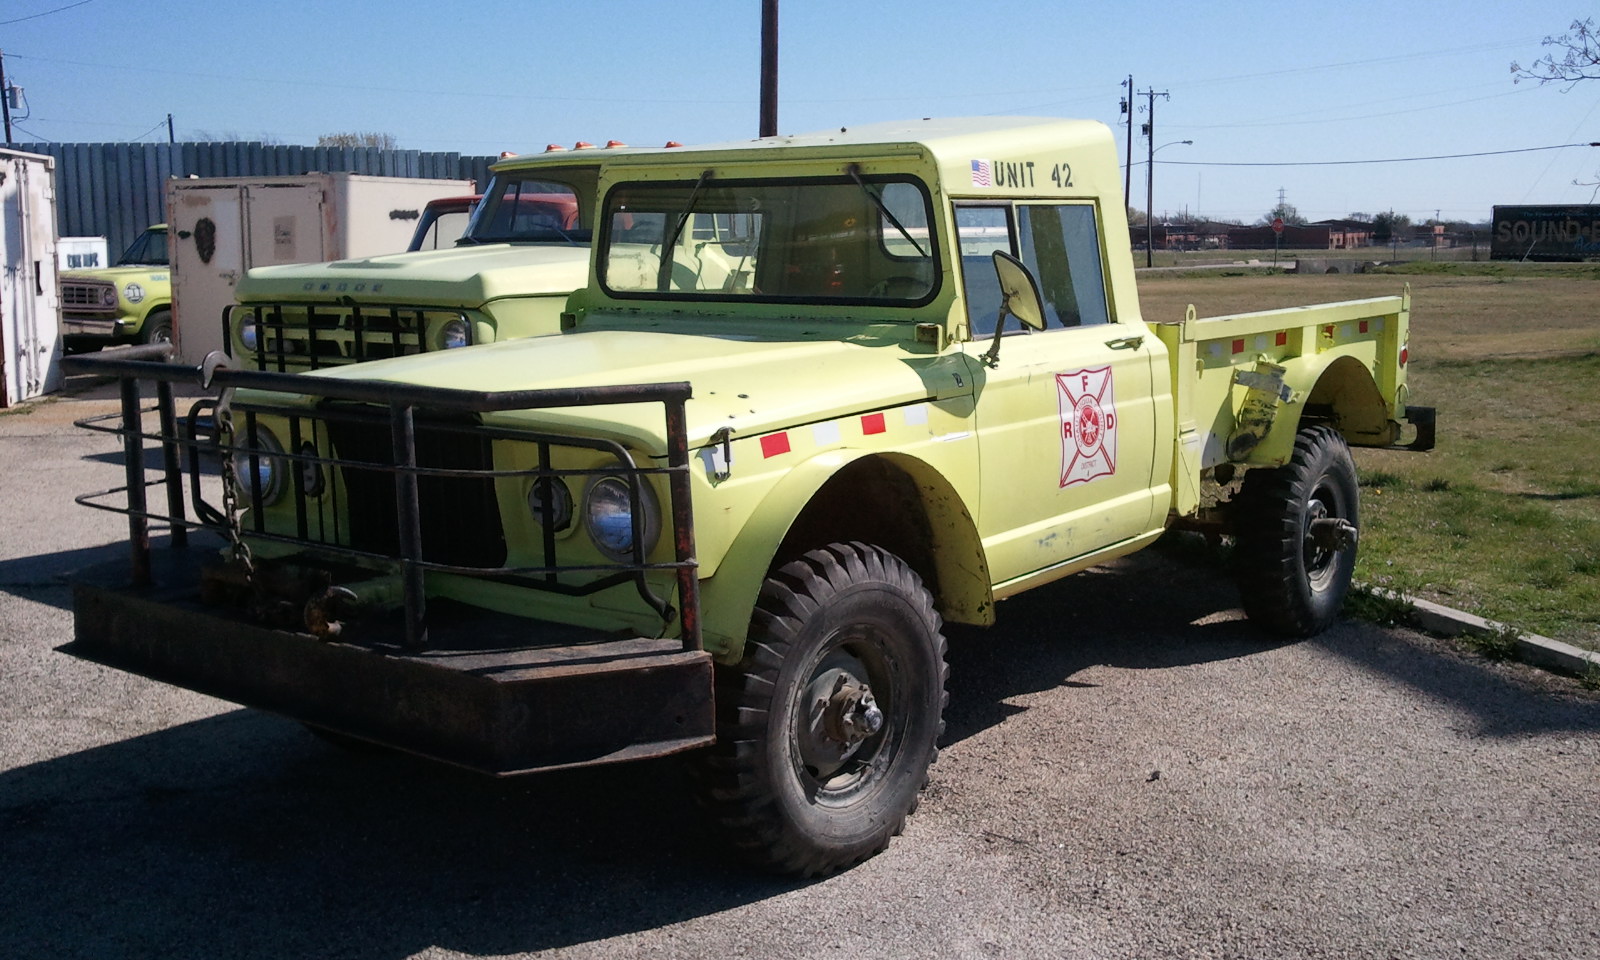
[1340,163]
[35,16]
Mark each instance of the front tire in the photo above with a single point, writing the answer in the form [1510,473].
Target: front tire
[826,729]
[1295,535]
[157,327]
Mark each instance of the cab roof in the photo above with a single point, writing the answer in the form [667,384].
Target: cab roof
[954,144]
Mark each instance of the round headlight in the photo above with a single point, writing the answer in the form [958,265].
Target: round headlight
[108,296]
[608,515]
[269,472]
[455,333]
[250,332]
[133,292]
[550,503]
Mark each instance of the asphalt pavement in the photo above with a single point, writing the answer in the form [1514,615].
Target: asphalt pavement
[1130,770]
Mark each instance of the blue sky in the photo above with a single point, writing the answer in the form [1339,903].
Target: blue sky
[1249,82]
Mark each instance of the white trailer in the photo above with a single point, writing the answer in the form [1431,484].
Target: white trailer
[220,227]
[30,306]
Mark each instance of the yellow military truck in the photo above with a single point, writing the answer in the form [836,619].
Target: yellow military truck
[881,378]
[525,248]
[130,302]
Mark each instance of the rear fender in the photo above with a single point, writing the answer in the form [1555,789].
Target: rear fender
[1336,390]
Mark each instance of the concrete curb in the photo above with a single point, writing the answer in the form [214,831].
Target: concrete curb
[1531,648]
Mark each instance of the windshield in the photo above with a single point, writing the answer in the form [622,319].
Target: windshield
[531,207]
[149,248]
[853,239]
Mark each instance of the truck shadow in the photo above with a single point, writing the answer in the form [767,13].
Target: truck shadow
[241,835]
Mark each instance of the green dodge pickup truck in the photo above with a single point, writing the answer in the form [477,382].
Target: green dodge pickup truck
[813,397]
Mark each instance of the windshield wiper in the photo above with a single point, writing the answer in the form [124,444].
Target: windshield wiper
[855,174]
[664,272]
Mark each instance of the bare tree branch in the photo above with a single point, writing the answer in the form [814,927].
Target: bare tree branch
[1576,57]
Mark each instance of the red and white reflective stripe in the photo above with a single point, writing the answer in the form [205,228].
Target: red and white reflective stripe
[873,423]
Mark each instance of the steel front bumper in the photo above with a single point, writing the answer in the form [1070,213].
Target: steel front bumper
[481,697]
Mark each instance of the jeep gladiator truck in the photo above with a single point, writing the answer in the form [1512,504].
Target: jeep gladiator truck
[130,302]
[896,375]
[525,248]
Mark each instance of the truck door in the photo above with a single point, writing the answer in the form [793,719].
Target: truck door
[208,247]
[284,223]
[1066,416]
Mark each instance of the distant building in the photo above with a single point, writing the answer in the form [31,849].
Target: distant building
[1322,235]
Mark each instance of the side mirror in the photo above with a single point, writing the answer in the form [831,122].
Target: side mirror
[1019,297]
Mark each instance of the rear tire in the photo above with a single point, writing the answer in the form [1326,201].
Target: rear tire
[826,730]
[1291,582]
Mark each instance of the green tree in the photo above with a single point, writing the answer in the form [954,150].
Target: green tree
[383,141]
[1390,226]
[1283,209]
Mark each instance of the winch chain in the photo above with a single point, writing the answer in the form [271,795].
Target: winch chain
[238,549]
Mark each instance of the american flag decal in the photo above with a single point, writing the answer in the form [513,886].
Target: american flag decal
[982,174]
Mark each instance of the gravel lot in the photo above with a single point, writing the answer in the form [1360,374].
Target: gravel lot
[1129,771]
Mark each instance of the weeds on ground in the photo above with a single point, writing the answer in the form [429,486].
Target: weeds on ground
[1379,605]
[1499,644]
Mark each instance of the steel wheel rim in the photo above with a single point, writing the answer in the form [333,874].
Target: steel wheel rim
[832,771]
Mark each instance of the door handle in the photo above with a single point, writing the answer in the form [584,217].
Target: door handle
[1126,343]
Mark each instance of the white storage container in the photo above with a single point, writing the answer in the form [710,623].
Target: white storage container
[30,307]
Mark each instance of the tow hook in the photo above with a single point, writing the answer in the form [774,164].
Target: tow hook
[852,714]
[321,611]
[1333,533]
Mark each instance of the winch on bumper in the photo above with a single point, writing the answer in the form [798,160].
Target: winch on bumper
[493,692]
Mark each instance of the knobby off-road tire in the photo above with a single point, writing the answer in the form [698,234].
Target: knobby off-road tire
[799,779]
[1289,583]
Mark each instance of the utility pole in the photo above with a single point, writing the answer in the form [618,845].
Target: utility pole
[5,97]
[1150,175]
[769,68]
[1127,169]
[170,137]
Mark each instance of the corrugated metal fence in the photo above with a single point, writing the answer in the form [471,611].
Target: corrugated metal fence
[115,190]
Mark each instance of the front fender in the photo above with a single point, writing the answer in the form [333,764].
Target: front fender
[951,556]
[728,597]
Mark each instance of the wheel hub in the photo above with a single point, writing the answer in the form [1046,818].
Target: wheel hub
[842,715]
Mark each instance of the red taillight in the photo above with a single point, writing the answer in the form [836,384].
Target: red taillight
[1405,354]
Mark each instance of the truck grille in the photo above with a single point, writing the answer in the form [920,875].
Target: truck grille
[460,516]
[292,337]
[88,298]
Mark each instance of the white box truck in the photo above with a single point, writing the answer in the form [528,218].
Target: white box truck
[30,307]
[219,227]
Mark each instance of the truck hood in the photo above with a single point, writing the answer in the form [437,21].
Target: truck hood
[139,272]
[459,277]
[753,386]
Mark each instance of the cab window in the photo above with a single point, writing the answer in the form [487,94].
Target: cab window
[863,240]
[1059,243]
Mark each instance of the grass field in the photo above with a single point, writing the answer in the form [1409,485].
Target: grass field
[1503,518]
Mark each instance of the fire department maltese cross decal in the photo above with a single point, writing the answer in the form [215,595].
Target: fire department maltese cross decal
[1088,425]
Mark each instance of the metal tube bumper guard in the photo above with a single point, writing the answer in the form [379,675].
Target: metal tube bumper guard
[480,697]
[465,685]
